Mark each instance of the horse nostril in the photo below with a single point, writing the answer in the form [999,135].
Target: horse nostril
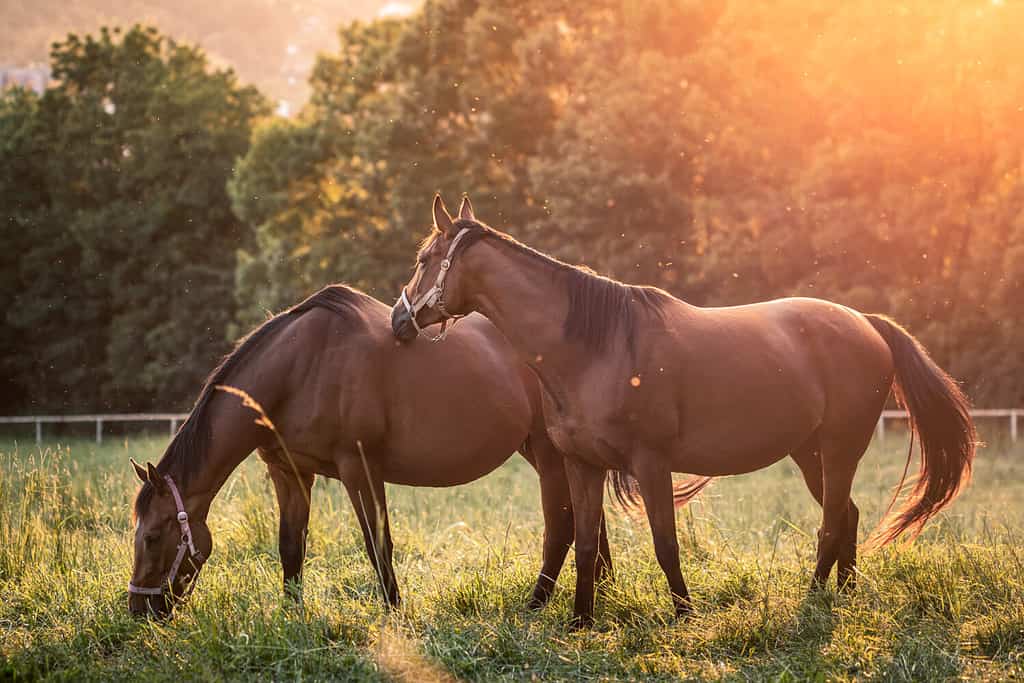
[406,332]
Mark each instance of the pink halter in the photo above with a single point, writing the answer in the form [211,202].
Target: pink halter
[183,545]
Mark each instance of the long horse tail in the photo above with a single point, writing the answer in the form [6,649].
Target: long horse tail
[627,491]
[940,419]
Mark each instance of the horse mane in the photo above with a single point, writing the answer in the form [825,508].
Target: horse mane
[599,307]
[184,455]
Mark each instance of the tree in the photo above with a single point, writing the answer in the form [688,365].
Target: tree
[729,152]
[127,287]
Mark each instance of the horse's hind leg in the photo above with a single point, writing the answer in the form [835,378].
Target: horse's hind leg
[846,566]
[365,489]
[808,459]
[604,572]
[293,502]
[837,538]
[558,518]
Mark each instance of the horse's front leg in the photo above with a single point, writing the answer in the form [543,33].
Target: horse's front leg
[586,485]
[655,481]
[556,504]
[293,502]
[365,489]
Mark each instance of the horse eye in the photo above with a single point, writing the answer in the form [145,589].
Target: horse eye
[150,539]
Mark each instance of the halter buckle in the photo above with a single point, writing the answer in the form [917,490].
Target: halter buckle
[182,516]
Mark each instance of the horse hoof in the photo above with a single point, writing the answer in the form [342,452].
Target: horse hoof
[536,603]
[580,622]
[684,612]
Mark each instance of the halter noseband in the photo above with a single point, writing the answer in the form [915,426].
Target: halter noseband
[434,297]
[185,544]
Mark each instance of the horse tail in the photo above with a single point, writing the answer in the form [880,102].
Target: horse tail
[940,419]
[685,491]
[627,491]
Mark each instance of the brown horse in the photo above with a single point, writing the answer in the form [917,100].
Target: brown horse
[349,403]
[639,381]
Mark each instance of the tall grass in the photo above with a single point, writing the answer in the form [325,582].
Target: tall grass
[948,606]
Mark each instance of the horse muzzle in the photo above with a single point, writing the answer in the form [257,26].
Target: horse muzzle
[159,606]
[402,325]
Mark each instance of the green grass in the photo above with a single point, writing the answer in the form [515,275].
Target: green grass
[951,605]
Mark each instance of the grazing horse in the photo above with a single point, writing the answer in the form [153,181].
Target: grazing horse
[346,402]
[636,380]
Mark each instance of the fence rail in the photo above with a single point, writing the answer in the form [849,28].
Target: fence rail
[1014,416]
[172,419]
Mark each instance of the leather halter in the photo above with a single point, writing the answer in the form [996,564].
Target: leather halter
[434,297]
[185,544]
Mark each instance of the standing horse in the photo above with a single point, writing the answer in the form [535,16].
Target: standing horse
[636,380]
[349,403]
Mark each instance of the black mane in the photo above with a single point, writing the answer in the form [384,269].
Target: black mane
[185,453]
[600,308]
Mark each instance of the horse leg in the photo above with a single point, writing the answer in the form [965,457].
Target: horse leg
[808,459]
[603,573]
[656,488]
[293,503]
[558,518]
[586,486]
[839,463]
[558,521]
[846,565]
[366,491]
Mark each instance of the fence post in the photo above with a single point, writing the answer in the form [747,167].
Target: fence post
[99,431]
[39,432]
[880,428]
[1013,425]
[174,427]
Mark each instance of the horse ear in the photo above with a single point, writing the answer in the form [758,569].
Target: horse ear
[442,220]
[466,210]
[155,479]
[140,471]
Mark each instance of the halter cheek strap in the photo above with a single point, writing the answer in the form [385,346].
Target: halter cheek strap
[185,544]
[434,297]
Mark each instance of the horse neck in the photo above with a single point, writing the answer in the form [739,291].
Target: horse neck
[233,435]
[527,300]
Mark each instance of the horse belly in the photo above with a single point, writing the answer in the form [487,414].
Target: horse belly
[449,464]
[724,458]
[750,423]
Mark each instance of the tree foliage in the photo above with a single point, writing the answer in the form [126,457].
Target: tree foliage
[125,284]
[729,151]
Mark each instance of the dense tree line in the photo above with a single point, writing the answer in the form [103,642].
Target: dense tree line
[119,239]
[729,152]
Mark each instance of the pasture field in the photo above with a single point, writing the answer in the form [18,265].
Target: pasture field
[949,606]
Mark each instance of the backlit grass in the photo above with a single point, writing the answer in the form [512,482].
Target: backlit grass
[948,606]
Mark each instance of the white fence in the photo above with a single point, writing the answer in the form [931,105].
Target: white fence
[1011,414]
[172,419]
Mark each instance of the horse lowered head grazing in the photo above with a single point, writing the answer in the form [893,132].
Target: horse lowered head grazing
[636,380]
[348,403]
[171,545]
